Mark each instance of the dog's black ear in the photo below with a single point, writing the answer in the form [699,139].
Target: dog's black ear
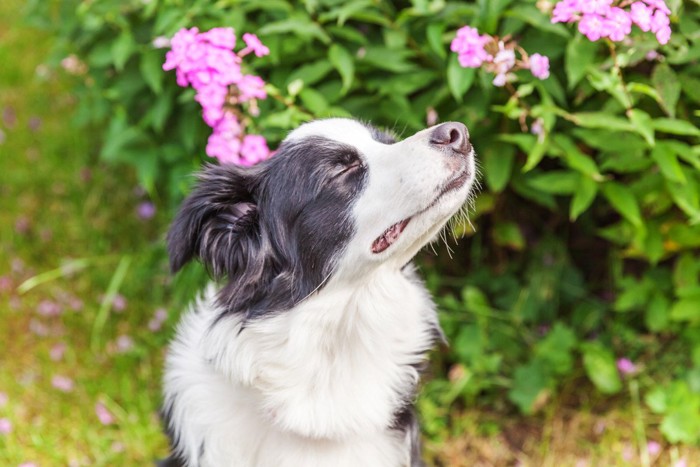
[218,222]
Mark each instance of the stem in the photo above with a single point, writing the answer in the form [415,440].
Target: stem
[639,430]
[618,69]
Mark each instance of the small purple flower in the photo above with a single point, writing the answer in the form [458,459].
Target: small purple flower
[599,7]
[103,414]
[500,80]
[124,343]
[28,464]
[9,117]
[159,317]
[5,426]
[57,351]
[38,328]
[252,42]
[34,124]
[22,225]
[49,308]
[145,210]
[62,383]
[119,303]
[653,448]
[5,283]
[659,5]
[626,367]
[539,66]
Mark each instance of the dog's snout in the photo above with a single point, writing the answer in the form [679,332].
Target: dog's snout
[452,135]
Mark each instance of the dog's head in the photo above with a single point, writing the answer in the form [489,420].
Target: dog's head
[339,200]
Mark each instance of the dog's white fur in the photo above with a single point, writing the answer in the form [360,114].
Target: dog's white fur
[319,385]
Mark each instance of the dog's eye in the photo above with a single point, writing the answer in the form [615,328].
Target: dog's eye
[346,169]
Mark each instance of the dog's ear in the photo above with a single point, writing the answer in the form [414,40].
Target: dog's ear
[218,222]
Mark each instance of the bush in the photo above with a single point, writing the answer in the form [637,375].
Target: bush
[589,221]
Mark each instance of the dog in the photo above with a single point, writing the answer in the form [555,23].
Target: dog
[308,353]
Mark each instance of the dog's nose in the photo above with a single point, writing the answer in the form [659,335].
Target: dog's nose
[452,135]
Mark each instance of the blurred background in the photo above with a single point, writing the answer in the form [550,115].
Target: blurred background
[571,300]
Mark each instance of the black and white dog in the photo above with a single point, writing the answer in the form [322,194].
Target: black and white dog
[309,353]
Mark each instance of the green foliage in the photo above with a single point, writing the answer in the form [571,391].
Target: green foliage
[588,234]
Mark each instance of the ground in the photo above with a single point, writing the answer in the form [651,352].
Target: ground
[86,308]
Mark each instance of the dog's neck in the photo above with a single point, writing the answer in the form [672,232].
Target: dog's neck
[337,364]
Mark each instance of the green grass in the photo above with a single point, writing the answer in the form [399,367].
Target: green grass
[57,204]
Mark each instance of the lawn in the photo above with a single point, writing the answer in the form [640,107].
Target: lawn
[87,307]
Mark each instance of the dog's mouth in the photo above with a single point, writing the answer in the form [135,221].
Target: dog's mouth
[392,234]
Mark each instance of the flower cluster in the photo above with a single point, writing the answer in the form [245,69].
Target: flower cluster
[476,50]
[206,61]
[609,18]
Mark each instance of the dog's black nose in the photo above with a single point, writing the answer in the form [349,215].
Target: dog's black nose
[453,135]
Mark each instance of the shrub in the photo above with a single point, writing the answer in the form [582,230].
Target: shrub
[589,221]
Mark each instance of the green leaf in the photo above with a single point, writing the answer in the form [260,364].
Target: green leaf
[557,182]
[299,25]
[311,73]
[686,309]
[434,33]
[530,387]
[666,83]
[569,151]
[151,67]
[122,48]
[508,234]
[580,53]
[556,349]
[665,157]
[675,127]
[656,315]
[600,367]
[681,426]
[642,124]
[535,155]
[584,195]
[498,159]
[459,79]
[314,101]
[343,62]
[624,202]
[601,120]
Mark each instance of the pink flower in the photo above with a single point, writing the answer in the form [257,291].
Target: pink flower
[659,20]
[27,464]
[254,149]
[3,399]
[48,308]
[653,448]
[663,35]
[251,87]
[681,463]
[537,128]
[539,66]
[500,80]
[566,11]
[119,303]
[221,37]
[124,343]
[5,426]
[103,414]
[226,150]
[658,4]
[641,15]
[592,26]
[158,319]
[62,383]
[145,210]
[619,24]
[57,351]
[600,7]
[252,42]
[625,366]
[469,46]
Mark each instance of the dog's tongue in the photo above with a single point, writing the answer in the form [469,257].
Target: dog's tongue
[390,236]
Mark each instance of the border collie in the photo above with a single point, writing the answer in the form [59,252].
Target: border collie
[308,352]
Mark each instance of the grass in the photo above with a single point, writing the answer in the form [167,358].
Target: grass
[68,223]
